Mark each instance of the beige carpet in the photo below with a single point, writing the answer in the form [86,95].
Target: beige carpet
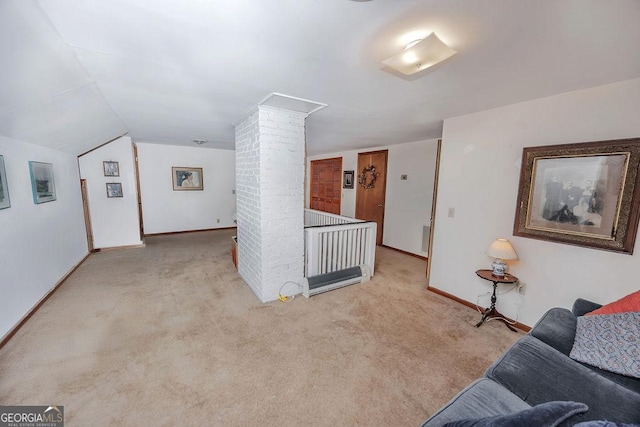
[170,335]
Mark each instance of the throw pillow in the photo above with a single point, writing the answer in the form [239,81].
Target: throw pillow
[629,303]
[546,414]
[610,342]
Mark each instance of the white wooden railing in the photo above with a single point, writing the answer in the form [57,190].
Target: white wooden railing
[334,242]
[313,218]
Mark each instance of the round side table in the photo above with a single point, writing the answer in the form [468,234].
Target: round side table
[491,312]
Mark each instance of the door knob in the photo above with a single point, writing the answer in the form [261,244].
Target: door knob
[380,205]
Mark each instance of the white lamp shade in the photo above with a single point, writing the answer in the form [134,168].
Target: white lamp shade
[502,249]
[424,54]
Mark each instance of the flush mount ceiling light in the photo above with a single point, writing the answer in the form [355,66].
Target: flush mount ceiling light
[420,55]
[200,141]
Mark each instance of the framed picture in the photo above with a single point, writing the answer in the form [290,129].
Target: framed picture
[186,179]
[42,183]
[114,189]
[4,188]
[111,168]
[585,194]
[347,179]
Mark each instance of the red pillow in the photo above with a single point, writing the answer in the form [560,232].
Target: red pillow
[629,303]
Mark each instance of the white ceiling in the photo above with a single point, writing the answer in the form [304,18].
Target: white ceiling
[77,73]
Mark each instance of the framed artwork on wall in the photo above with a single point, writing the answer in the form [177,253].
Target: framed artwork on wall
[114,189]
[186,179]
[347,179]
[111,168]
[42,183]
[585,194]
[4,188]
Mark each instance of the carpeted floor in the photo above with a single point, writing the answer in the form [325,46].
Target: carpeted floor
[170,335]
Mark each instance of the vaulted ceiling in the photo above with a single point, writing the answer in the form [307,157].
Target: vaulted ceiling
[77,73]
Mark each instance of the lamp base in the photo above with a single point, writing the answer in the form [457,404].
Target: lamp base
[499,267]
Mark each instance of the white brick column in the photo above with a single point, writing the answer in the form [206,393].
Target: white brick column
[270,162]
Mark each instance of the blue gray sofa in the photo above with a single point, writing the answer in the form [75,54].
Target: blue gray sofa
[536,370]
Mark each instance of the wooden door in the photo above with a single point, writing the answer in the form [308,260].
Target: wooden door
[326,183]
[371,188]
[87,214]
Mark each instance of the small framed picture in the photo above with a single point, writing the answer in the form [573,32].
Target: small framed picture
[111,168]
[186,179]
[4,188]
[114,189]
[42,183]
[347,179]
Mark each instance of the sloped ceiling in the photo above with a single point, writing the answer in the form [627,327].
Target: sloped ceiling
[80,72]
[46,95]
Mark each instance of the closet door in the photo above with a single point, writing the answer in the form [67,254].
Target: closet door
[326,185]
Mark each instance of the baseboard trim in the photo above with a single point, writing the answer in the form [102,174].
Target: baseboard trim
[5,339]
[516,325]
[405,252]
[116,248]
[189,231]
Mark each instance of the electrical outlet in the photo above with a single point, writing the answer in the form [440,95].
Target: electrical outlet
[403,177]
[218,220]
[452,212]
[522,289]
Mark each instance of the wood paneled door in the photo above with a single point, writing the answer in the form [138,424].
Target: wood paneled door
[326,185]
[371,188]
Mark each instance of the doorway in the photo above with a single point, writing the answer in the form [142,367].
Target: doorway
[87,214]
[432,221]
[139,196]
[371,190]
[326,185]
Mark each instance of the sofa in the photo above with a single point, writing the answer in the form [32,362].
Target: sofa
[536,374]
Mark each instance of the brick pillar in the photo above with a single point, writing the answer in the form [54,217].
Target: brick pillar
[270,162]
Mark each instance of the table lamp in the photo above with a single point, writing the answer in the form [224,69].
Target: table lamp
[501,250]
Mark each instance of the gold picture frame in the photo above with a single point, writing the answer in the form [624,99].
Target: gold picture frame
[187,178]
[584,194]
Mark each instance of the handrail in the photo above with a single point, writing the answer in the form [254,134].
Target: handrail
[313,218]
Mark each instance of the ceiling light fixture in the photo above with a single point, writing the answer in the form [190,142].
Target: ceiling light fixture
[200,141]
[419,55]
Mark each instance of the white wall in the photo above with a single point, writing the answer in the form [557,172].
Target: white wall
[165,210]
[39,244]
[479,175]
[408,203]
[114,221]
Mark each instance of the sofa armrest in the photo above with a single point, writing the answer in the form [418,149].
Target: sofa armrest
[537,373]
[482,398]
[583,306]
[556,328]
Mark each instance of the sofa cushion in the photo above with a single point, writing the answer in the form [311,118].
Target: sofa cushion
[603,423]
[548,414]
[537,373]
[610,342]
[629,303]
[482,398]
[556,328]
